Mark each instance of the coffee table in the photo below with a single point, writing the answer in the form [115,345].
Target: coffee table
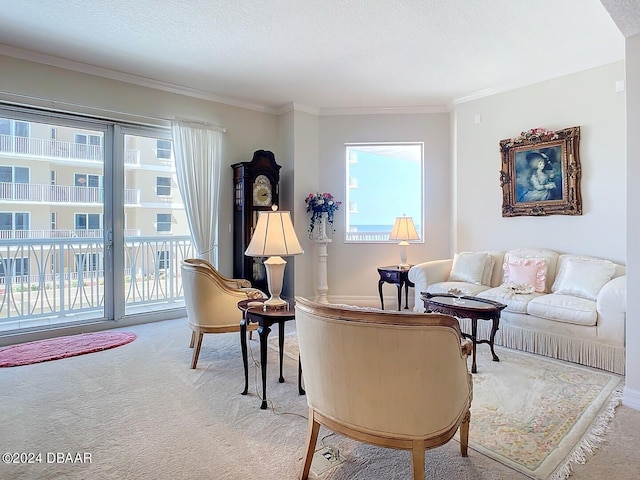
[467,307]
[265,318]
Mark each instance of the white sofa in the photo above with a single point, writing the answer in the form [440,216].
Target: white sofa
[577,315]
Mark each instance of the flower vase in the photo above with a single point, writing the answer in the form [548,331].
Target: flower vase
[322,227]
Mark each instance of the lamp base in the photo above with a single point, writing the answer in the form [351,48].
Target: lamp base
[403,254]
[275,275]
[275,304]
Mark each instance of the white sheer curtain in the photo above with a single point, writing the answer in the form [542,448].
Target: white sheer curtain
[198,151]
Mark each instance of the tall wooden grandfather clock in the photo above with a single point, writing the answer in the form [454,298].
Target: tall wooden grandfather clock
[255,186]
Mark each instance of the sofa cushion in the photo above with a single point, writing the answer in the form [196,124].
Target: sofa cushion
[549,256]
[468,288]
[468,267]
[564,308]
[583,276]
[528,271]
[515,302]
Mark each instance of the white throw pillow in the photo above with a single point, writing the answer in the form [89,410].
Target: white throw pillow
[583,277]
[468,267]
[488,270]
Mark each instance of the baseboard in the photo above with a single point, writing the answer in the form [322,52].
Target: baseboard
[631,398]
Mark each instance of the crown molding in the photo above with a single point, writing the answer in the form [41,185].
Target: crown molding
[384,110]
[295,107]
[67,64]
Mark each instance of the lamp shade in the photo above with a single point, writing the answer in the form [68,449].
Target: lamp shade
[274,235]
[404,229]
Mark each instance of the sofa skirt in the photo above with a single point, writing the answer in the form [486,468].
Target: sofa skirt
[581,351]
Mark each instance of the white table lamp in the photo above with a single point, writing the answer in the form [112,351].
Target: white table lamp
[404,230]
[274,237]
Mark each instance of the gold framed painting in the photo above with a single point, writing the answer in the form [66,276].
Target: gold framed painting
[541,172]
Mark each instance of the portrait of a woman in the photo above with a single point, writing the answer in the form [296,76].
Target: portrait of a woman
[538,175]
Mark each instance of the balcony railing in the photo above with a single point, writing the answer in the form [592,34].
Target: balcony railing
[61,193]
[39,147]
[40,234]
[61,278]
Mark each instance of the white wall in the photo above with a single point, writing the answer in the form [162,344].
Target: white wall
[352,267]
[247,130]
[632,388]
[300,136]
[587,99]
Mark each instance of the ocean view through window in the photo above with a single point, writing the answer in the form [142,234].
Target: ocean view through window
[384,181]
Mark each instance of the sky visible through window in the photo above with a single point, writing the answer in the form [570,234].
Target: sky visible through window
[384,181]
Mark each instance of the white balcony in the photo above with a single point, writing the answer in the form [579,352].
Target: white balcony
[29,192]
[44,234]
[38,147]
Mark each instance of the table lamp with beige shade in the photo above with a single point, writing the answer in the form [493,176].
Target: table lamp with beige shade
[404,230]
[274,237]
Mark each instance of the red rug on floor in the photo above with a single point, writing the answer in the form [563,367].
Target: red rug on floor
[62,347]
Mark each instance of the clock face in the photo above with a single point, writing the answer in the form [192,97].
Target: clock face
[262,192]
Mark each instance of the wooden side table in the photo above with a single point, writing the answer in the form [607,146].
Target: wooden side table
[468,307]
[399,277]
[265,318]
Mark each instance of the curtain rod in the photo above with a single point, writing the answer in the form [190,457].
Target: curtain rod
[49,103]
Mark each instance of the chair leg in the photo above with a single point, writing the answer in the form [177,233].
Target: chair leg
[193,339]
[417,459]
[464,433]
[312,438]
[196,350]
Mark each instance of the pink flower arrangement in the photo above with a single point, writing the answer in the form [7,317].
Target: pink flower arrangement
[319,203]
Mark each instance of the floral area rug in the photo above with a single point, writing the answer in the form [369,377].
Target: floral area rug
[538,415]
[534,414]
[62,347]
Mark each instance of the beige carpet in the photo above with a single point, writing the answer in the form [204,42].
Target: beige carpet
[142,413]
[535,414]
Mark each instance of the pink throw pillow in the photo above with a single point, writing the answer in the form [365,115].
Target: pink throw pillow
[529,271]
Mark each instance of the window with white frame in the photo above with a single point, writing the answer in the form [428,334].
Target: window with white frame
[384,181]
[14,182]
[163,222]
[13,267]
[163,149]
[54,221]
[14,224]
[164,260]
[88,221]
[163,186]
[87,180]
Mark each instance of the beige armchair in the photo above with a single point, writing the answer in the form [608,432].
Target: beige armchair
[396,380]
[212,301]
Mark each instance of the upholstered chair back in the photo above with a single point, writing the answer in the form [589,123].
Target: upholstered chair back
[384,373]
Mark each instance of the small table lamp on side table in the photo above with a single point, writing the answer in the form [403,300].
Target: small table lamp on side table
[274,237]
[404,230]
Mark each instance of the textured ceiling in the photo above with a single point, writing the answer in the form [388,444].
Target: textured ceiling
[326,55]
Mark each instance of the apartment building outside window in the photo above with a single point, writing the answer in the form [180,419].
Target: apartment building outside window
[66,182]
